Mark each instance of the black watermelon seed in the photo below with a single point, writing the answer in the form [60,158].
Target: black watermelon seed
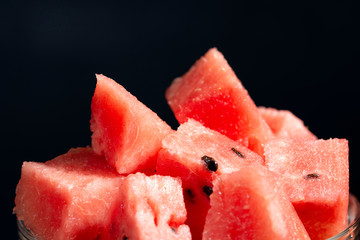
[125,238]
[189,193]
[207,190]
[174,229]
[237,152]
[312,176]
[211,164]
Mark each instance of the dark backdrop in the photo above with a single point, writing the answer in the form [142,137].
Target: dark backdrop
[298,56]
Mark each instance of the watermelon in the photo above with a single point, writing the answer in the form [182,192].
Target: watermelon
[79,196]
[67,198]
[232,170]
[150,208]
[315,175]
[211,93]
[124,130]
[195,153]
[284,123]
[250,204]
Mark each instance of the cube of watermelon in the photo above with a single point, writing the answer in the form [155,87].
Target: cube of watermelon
[124,130]
[211,93]
[79,196]
[284,123]
[150,208]
[195,153]
[250,204]
[69,197]
[315,175]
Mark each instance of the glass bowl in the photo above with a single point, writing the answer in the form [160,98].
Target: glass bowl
[351,232]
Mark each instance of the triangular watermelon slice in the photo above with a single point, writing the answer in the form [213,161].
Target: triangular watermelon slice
[195,154]
[211,93]
[315,175]
[124,130]
[250,204]
[285,124]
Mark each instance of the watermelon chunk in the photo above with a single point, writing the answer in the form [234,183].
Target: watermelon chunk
[284,123]
[67,198]
[211,93]
[79,196]
[190,153]
[249,204]
[124,130]
[150,208]
[315,175]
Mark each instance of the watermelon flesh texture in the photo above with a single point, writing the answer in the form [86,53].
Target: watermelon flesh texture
[315,175]
[150,208]
[182,156]
[285,124]
[124,130]
[211,93]
[79,196]
[249,204]
[67,198]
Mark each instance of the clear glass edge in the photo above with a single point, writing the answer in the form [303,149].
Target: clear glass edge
[23,232]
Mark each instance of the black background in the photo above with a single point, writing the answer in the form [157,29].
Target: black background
[301,56]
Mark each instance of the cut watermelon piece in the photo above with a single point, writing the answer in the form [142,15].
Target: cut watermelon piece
[211,93]
[249,204]
[150,208]
[315,175]
[67,198]
[124,130]
[79,196]
[195,153]
[284,123]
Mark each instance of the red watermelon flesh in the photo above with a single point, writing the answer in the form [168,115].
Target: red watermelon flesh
[284,123]
[315,174]
[67,198]
[249,204]
[79,196]
[184,155]
[150,208]
[211,93]
[124,130]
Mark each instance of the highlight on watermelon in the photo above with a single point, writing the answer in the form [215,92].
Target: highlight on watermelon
[231,170]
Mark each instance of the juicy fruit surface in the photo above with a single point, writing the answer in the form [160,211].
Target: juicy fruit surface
[249,204]
[192,141]
[211,93]
[69,202]
[151,208]
[124,130]
[315,175]
[184,155]
[285,124]
[79,196]
[84,162]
